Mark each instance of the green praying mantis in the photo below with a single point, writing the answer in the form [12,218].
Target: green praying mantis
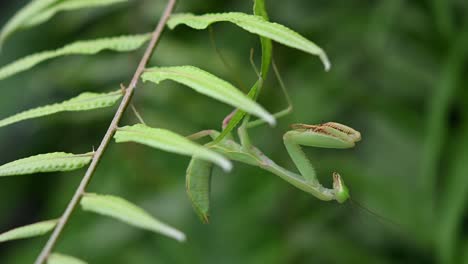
[327,135]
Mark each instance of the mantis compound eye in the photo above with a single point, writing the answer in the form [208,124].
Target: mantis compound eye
[341,191]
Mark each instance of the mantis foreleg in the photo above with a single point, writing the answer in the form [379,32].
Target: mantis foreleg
[328,135]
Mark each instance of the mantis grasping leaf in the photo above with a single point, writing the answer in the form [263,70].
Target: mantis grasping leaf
[328,135]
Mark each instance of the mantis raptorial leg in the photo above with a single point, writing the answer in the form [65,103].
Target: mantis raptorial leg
[328,135]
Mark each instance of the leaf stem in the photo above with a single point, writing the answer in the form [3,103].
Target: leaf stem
[107,137]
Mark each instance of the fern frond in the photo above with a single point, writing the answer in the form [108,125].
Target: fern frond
[256,25]
[83,102]
[67,5]
[57,258]
[127,212]
[27,231]
[39,11]
[87,47]
[57,161]
[24,14]
[169,141]
[210,85]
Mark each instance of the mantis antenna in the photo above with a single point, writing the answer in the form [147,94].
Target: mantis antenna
[223,59]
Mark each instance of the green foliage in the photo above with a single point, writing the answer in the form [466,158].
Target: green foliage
[256,25]
[267,50]
[198,185]
[210,85]
[57,161]
[88,47]
[66,5]
[39,11]
[398,76]
[129,213]
[57,258]
[83,102]
[169,141]
[32,230]
[198,179]
[34,7]
[267,45]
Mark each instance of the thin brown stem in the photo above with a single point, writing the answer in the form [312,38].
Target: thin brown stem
[107,137]
[137,114]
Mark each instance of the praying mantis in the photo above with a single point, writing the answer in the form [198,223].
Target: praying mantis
[326,135]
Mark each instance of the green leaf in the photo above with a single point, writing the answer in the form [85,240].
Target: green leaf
[267,48]
[66,5]
[58,161]
[238,115]
[24,14]
[87,47]
[210,85]
[256,25]
[259,9]
[129,213]
[169,141]
[57,258]
[83,102]
[198,183]
[32,230]
[39,11]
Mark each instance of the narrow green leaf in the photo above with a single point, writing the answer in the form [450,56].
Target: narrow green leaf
[57,258]
[58,161]
[23,15]
[32,230]
[39,11]
[66,5]
[267,50]
[256,25]
[129,213]
[259,9]
[87,47]
[198,183]
[169,141]
[210,85]
[267,46]
[83,102]
[237,116]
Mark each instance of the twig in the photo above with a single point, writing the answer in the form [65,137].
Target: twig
[107,137]
[137,114]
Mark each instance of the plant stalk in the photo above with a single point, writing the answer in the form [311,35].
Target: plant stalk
[107,137]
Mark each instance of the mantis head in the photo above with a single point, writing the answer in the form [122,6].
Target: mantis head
[341,191]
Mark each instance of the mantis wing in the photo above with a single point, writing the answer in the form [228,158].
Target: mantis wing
[198,183]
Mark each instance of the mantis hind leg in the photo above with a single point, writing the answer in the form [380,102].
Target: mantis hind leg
[204,133]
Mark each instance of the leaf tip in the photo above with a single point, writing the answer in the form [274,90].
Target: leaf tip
[325,61]
[205,219]
[225,164]
[181,237]
[270,119]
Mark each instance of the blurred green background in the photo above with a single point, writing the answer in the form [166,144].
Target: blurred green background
[398,76]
